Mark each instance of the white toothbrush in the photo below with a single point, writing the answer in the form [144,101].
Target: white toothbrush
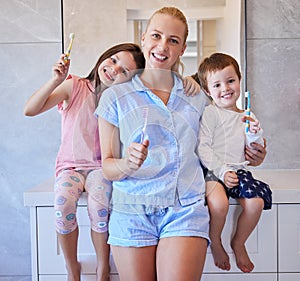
[145,117]
[68,52]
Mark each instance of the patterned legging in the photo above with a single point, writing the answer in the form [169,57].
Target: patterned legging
[69,186]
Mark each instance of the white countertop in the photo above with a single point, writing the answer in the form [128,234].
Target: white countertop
[285,185]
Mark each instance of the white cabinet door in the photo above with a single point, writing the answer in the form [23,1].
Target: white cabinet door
[240,277]
[261,245]
[289,238]
[50,256]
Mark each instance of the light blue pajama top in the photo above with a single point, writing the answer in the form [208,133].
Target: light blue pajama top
[172,169]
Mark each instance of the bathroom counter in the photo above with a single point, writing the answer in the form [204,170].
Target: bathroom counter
[285,186]
[273,246]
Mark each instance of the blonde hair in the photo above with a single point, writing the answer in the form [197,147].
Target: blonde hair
[176,13]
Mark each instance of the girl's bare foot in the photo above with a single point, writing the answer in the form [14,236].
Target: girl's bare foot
[220,256]
[74,272]
[243,261]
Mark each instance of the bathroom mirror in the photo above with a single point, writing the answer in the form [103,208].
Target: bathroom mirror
[215,25]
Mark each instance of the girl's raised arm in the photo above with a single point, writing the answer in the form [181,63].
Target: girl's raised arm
[52,92]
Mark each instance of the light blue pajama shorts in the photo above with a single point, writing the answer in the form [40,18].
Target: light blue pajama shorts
[147,228]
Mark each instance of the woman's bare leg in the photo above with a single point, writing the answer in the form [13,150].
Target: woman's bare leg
[248,219]
[68,243]
[181,258]
[218,205]
[135,264]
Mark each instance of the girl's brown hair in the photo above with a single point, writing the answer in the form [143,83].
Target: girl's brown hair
[134,49]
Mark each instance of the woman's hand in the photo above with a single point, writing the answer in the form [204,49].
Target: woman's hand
[136,154]
[191,87]
[256,153]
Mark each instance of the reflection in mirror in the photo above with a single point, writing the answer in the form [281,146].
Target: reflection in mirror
[215,26]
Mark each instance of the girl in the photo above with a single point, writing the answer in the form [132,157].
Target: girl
[78,164]
[159,223]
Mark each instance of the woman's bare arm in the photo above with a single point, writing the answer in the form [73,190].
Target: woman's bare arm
[114,166]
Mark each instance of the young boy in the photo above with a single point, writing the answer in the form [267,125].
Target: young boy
[222,141]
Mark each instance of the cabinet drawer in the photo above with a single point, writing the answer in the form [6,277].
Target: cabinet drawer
[83,278]
[262,242]
[50,256]
[239,277]
[289,238]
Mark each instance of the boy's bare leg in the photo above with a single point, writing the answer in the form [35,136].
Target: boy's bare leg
[248,219]
[218,205]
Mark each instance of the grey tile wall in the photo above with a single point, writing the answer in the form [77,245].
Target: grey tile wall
[273,19]
[273,76]
[30,39]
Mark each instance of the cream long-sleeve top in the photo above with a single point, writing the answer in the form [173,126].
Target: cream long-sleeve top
[222,140]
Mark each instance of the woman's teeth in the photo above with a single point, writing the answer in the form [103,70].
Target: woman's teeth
[159,57]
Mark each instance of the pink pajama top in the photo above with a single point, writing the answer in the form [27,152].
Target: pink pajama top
[80,144]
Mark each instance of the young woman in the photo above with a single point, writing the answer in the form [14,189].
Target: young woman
[158,227]
[78,165]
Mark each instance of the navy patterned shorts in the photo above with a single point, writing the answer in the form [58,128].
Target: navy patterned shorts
[248,187]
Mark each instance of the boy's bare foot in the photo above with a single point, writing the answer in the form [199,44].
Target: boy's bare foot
[243,261]
[220,256]
[74,272]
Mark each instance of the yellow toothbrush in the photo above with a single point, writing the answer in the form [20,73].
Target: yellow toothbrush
[71,36]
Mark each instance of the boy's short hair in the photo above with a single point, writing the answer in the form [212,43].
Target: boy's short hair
[215,62]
